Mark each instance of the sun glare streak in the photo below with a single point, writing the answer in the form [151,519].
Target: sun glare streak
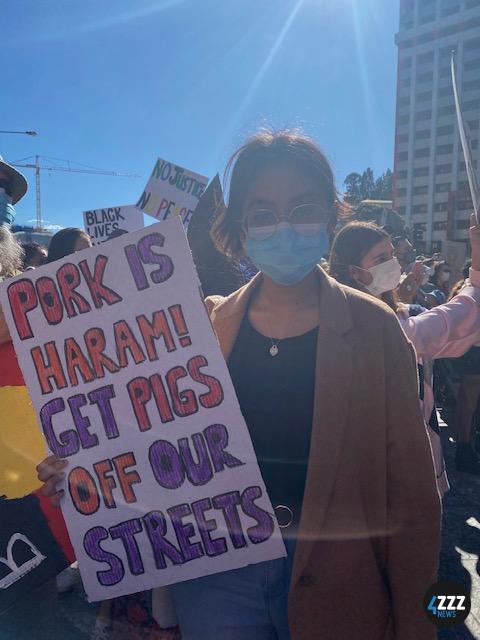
[140,12]
[367,90]
[232,124]
[105,23]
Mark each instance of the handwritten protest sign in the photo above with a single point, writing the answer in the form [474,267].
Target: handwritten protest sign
[130,386]
[101,223]
[172,191]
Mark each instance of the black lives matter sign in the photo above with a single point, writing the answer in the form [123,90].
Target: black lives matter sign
[130,386]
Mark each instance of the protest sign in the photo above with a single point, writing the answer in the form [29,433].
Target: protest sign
[219,275]
[172,191]
[130,385]
[101,223]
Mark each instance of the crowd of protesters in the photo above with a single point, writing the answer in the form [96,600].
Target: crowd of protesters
[334,371]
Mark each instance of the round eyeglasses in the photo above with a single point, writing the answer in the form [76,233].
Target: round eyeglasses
[305,219]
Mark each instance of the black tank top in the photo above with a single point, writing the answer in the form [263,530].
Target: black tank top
[276,396]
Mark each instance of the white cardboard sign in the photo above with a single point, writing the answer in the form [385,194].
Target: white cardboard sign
[172,191]
[130,386]
[100,223]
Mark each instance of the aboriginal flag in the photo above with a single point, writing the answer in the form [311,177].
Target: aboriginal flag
[34,543]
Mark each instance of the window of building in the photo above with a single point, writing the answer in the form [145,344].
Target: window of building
[424,96]
[470,105]
[442,188]
[424,18]
[471,45]
[446,53]
[464,205]
[419,208]
[404,102]
[426,13]
[402,174]
[420,191]
[422,153]
[407,9]
[406,23]
[422,58]
[444,148]
[440,225]
[441,206]
[462,167]
[473,125]
[474,144]
[445,72]
[449,7]
[421,172]
[462,224]
[403,119]
[420,226]
[471,85]
[422,135]
[472,4]
[427,76]
[445,130]
[400,193]
[446,111]
[443,168]
[405,63]
[423,115]
[402,155]
[401,210]
[470,65]
[445,91]
[403,137]
[405,83]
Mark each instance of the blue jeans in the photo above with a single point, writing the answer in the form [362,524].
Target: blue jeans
[250,603]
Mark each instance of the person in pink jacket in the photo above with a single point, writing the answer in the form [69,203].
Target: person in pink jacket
[362,256]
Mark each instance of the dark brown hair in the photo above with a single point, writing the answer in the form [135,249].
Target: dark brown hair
[459,285]
[434,279]
[264,149]
[350,246]
[63,242]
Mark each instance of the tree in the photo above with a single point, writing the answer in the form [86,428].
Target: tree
[367,184]
[352,184]
[363,186]
[383,186]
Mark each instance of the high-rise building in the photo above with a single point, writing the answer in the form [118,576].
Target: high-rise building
[430,181]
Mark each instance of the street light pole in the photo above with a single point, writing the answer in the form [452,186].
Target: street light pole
[25,133]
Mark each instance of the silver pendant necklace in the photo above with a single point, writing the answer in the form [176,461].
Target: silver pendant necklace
[274,348]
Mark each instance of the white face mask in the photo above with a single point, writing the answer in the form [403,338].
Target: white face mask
[444,276]
[386,276]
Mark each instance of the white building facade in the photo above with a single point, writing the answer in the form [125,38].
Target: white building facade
[430,181]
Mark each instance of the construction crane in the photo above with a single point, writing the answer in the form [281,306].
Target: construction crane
[38,168]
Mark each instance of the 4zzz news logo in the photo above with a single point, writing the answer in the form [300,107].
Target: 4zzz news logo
[447,604]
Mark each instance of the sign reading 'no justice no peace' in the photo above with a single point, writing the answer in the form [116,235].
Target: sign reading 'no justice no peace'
[130,386]
[172,191]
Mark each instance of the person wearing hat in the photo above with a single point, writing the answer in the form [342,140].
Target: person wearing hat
[13,186]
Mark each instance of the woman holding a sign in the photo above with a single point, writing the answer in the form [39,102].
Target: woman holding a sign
[327,383]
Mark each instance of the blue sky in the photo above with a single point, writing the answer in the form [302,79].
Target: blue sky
[113,84]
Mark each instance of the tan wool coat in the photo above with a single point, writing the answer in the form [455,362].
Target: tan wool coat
[369,532]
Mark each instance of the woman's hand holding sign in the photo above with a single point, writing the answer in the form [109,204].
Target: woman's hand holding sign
[50,472]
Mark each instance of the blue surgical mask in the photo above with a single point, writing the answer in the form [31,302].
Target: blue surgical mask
[7,211]
[287,257]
